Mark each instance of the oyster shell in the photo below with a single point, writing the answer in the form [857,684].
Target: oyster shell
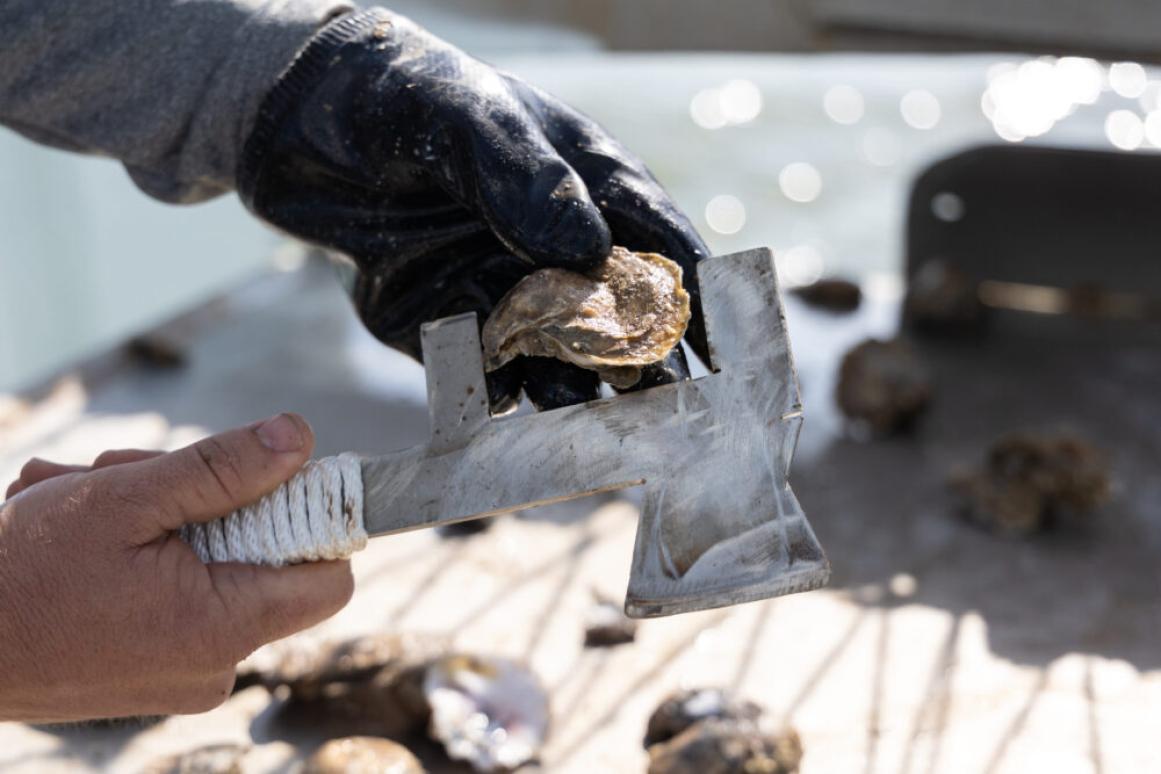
[628,312]
[369,685]
[884,384]
[362,755]
[727,747]
[490,712]
[683,709]
[212,759]
[1028,479]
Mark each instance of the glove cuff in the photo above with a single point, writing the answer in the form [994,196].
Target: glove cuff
[304,72]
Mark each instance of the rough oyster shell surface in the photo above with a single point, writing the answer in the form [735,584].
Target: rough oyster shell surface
[628,312]
[362,755]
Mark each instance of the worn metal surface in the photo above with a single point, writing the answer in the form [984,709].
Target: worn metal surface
[719,525]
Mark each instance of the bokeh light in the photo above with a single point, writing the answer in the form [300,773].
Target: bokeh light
[947,206]
[800,182]
[1125,129]
[920,109]
[799,265]
[1153,128]
[844,104]
[725,214]
[735,102]
[880,147]
[1029,99]
[1128,79]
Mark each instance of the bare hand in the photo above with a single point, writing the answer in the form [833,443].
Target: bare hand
[105,612]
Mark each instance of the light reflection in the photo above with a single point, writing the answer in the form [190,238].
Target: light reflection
[880,147]
[800,182]
[799,265]
[1153,128]
[733,103]
[725,214]
[1150,98]
[1128,79]
[920,109]
[1027,100]
[947,206]
[843,104]
[1125,129]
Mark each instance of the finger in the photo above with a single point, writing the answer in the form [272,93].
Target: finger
[551,384]
[672,369]
[213,477]
[263,604]
[37,470]
[122,456]
[504,167]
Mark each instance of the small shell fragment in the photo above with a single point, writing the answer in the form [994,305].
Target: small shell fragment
[884,384]
[628,312]
[491,712]
[607,625]
[362,755]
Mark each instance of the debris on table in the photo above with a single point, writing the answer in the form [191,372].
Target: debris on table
[1029,479]
[491,712]
[362,755]
[883,384]
[212,759]
[154,350]
[607,625]
[833,295]
[628,312]
[727,747]
[683,709]
[463,529]
[943,299]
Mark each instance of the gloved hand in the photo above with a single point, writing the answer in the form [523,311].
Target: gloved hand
[447,181]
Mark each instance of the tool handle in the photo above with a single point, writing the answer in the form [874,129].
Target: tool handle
[316,515]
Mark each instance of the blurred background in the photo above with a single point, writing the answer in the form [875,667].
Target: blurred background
[802,125]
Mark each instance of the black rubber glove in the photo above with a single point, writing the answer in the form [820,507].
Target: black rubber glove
[447,181]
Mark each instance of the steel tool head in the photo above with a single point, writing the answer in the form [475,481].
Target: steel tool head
[719,525]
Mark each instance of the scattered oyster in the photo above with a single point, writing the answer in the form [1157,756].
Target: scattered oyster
[608,625]
[834,295]
[490,712]
[1028,479]
[212,759]
[727,747]
[683,709]
[370,685]
[628,312]
[362,755]
[884,384]
[942,299]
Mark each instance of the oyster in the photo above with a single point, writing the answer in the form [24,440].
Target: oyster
[369,685]
[490,712]
[685,708]
[727,747]
[884,384]
[362,755]
[212,759]
[628,312]
[1028,479]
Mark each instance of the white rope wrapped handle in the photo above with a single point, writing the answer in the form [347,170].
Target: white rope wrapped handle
[316,515]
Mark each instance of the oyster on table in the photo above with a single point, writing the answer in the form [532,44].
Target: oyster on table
[628,312]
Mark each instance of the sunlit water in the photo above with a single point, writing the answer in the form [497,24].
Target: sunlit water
[810,155]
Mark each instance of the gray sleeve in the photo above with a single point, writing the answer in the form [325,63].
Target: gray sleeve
[168,87]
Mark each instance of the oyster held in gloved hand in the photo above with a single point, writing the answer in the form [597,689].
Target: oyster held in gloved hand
[628,312]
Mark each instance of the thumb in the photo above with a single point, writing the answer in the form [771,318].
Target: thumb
[263,604]
[217,475]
